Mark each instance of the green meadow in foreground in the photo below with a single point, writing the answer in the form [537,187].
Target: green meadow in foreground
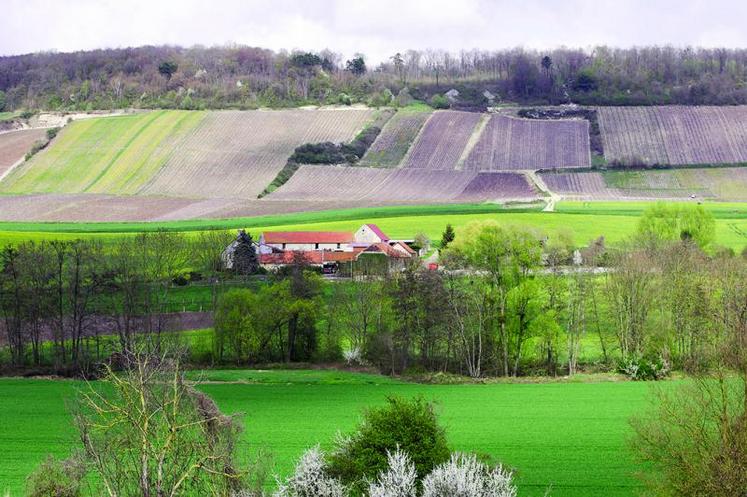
[586,220]
[568,436]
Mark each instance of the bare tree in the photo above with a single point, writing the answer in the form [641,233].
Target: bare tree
[630,293]
[146,432]
[469,306]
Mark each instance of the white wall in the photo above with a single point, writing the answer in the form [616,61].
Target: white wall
[366,235]
[309,246]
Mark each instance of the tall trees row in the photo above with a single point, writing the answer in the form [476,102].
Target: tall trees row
[63,295]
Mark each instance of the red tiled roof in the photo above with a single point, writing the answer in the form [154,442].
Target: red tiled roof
[386,249]
[377,231]
[407,248]
[307,237]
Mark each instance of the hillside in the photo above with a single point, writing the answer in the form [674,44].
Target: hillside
[179,153]
[14,145]
[674,135]
[170,165]
[246,77]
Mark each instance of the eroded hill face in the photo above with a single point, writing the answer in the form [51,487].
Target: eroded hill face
[167,165]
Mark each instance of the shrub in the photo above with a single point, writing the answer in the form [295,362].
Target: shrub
[344,99]
[644,369]
[439,102]
[693,438]
[410,426]
[381,98]
[52,132]
[357,148]
[353,356]
[310,479]
[465,476]
[55,478]
[399,480]
[37,147]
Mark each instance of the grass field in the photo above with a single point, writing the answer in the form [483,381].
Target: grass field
[571,436]
[586,220]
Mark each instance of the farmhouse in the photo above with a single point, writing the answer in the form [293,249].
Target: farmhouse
[330,249]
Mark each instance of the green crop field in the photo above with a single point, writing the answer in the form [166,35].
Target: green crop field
[571,436]
[112,154]
[586,220]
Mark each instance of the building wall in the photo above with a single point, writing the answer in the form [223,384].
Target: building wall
[366,235]
[309,246]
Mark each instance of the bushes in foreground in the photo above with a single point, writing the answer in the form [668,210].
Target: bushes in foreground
[461,476]
[407,425]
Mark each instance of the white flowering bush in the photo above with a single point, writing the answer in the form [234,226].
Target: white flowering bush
[399,480]
[310,479]
[465,476]
[462,476]
[353,356]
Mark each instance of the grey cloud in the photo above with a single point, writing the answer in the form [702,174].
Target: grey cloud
[375,27]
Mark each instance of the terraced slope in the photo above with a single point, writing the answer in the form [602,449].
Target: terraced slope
[238,153]
[443,140]
[408,185]
[15,144]
[395,139]
[674,135]
[105,155]
[509,143]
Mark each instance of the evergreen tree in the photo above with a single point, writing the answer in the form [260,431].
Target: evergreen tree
[447,237]
[244,256]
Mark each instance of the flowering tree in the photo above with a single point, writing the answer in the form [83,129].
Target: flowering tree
[310,479]
[399,480]
[465,476]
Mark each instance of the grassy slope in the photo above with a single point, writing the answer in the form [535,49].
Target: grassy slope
[719,181]
[569,435]
[4,116]
[104,155]
[403,138]
[586,220]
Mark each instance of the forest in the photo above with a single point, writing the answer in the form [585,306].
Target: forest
[245,77]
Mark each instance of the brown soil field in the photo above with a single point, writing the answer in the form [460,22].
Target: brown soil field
[15,144]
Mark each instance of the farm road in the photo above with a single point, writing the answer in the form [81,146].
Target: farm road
[542,186]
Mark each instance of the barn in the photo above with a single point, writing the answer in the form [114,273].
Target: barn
[331,249]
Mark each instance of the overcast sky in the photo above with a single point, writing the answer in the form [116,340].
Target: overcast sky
[376,28]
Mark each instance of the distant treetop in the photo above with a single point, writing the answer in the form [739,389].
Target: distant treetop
[249,77]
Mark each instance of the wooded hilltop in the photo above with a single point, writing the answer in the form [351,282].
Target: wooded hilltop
[249,77]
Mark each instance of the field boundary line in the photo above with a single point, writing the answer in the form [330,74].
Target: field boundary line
[538,182]
[406,158]
[477,132]
[11,168]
